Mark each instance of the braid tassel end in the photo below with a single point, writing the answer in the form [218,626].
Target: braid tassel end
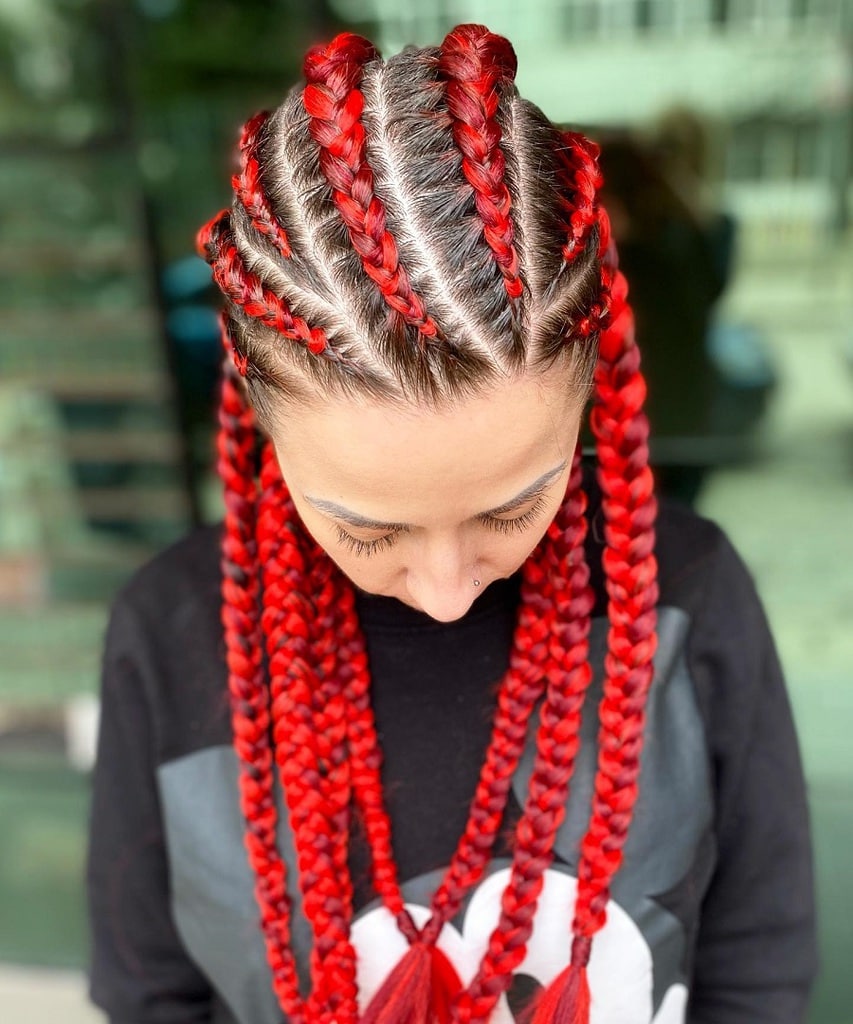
[566,1000]
[420,990]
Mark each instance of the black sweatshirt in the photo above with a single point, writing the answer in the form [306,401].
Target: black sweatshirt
[711,916]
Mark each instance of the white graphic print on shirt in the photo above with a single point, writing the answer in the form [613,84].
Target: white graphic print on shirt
[619,950]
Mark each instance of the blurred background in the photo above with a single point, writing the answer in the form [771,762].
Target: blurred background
[727,142]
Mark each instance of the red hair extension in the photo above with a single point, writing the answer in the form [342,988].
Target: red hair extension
[621,430]
[334,104]
[249,189]
[298,619]
[567,999]
[249,700]
[523,686]
[365,760]
[418,972]
[215,243]
[474,64]
[419,990]
[557,743]
[582,179]
[520,690]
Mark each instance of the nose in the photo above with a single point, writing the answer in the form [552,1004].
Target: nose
[441,580]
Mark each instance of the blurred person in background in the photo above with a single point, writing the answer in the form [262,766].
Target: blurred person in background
[677,253]
[371,749]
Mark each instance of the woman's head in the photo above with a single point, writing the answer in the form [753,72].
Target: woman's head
[420,293]
[429,242]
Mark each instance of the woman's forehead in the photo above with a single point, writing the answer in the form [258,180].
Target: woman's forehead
[390,462]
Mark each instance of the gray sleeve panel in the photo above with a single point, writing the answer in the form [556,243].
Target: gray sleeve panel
[213,902]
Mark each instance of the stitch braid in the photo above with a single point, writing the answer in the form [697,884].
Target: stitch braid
[249,188]
[557,743]
[475,64]
[582,179]
[248,693]
[216,244]
[322,724]
[334,103]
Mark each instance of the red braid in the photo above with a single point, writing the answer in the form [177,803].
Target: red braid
[523,686]
[621,431]
[249,698]
[216,244]
[519,693]
[629,506]
[249,189]
[334,103]
[312,767]
[475,63]
[581,179]
[571,600]
[365,760]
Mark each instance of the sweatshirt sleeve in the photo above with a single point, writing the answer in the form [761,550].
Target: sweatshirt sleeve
[756,956]
[139,971]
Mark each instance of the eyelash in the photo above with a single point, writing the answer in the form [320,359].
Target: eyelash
[370,547]
[366,547]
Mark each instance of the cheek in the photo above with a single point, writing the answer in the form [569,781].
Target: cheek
[503,554]
[376,574]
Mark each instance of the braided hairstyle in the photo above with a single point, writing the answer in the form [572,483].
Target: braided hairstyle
[412,229]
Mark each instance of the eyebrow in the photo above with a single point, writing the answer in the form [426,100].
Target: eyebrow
[366,523]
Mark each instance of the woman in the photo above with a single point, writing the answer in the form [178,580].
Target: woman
[420,593]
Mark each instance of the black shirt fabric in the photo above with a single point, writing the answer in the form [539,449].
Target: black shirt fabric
[711,916]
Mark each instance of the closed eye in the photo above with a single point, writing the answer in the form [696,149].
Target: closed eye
[518,522]
[366,548]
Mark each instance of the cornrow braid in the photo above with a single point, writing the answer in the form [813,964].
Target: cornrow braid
[334,103]
[582,179]
[474,65]
[216,244]
[249,189]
